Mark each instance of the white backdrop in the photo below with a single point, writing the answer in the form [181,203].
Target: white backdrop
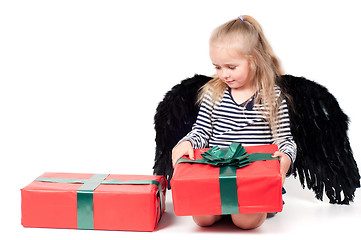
[80,82]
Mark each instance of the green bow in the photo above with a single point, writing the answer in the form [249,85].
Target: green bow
[236,156]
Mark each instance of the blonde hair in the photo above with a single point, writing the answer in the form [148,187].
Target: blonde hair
[247,38]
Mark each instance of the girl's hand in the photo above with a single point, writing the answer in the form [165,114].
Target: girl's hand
[285,163]
[184,148]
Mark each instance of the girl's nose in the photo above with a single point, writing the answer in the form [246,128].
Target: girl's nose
[224,74]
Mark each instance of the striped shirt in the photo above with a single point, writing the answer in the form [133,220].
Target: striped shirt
[225,121]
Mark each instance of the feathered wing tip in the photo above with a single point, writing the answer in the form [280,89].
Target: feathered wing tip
[324,160]
[174,118]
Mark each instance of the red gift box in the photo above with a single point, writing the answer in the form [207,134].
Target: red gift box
[196,187]
[117,202]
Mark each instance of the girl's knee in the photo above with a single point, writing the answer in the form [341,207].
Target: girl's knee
[206,220]
[248,221]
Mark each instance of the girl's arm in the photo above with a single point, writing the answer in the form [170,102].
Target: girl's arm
[202,128]
[286,145]
[200,134]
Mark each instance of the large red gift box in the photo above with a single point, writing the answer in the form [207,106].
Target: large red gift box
[196,187]
[94,201]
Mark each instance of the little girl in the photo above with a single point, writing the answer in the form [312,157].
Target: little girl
[241,103]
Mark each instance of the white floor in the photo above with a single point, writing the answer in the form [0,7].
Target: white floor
[72,71]
[303,216]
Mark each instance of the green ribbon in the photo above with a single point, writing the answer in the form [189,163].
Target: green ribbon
[85,194]
[229,160]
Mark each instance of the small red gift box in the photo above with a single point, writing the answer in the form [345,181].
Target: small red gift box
[94,201]
[196,188]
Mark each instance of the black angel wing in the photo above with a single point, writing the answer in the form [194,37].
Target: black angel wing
[174,118]
[319,127]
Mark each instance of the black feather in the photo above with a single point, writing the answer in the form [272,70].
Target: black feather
[319,127]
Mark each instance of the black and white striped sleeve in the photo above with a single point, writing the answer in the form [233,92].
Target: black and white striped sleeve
[202,128]
[285,141]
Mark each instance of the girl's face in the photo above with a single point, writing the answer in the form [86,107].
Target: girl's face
[231,68]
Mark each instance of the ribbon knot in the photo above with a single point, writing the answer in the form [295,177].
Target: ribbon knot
[235,156]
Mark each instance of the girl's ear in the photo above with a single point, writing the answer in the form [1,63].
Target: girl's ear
[252,65]
[253,70]
[251,62]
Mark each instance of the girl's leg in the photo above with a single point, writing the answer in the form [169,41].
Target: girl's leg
[248,221]
[206,220]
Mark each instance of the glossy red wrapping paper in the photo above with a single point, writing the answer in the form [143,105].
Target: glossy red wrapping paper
[116,207]
[196,188]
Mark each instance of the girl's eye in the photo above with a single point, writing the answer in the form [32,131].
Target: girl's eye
[229,67]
